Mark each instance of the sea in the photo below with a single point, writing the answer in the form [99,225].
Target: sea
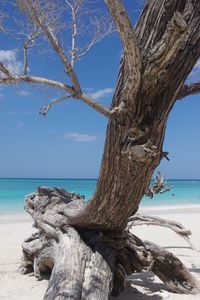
[13,191]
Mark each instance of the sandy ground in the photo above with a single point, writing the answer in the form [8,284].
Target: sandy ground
[145,286]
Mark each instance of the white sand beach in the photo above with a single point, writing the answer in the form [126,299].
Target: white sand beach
[145,286]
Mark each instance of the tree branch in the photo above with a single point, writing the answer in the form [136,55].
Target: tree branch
[74,12]
[29,43]
[188,90]
[129,42]
[98,36]
[12,79]
[95,104]
[178,228]
[50,34]
[44,110]
[4,70]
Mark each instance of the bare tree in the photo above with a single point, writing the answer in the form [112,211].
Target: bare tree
[88,246]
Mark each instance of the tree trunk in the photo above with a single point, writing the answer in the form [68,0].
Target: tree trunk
[135,134]
[87,244]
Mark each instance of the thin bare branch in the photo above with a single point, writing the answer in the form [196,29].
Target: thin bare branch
[2,17]
[12,79]
[188,90]
[44,110]
[29,43]
[4,70]
[51,35]
[25,60]
[95,104]
[74,11]
[178,228]
[98,36]
[101,27]
[84,98]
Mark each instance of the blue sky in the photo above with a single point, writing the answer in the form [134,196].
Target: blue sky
[68,142]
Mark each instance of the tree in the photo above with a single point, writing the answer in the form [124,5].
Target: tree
[88,246]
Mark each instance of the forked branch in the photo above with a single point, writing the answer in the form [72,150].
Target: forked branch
[29,43]
[13,79]
[40,19]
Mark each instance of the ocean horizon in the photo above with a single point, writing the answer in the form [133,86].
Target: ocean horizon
[13,191]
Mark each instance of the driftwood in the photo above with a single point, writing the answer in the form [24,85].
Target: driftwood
[90,264]
[159,186]
[178,228]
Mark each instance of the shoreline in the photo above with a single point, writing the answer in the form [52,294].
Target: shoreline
[24,217]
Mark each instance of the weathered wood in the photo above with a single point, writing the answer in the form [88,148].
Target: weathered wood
[158,187]
[171,271]
[89,264]
[178,228]
[79,273]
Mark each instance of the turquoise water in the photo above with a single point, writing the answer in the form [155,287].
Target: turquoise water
[12,192]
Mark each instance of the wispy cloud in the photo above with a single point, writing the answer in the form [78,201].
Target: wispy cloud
[20,125]
[23,93]
[99,94]
[77,137]
[25,112]
[12,113]
[9,59]
[52,131]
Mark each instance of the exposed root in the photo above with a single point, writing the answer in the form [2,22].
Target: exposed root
[178,228]
[90,264]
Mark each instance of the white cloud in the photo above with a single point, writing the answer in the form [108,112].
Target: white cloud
[20,124]
[9,59]
[52,131]
[77,137]
[23,93]
[11,113]
[25,112]
[101,93]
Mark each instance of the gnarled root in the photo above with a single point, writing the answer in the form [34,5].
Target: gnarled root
[90,264]
[178,228]
[171,271]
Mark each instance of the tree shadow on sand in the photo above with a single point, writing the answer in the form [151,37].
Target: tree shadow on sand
[152,290]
